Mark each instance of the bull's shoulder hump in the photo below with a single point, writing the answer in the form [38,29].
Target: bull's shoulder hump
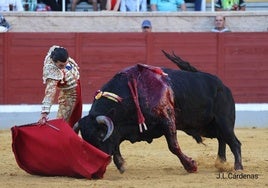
[154,69]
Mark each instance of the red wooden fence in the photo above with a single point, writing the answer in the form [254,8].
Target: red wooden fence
[239,59]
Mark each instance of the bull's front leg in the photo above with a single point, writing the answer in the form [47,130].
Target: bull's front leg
[188,163]
[119,160]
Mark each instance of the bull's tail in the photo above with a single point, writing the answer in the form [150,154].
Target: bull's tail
[183,65]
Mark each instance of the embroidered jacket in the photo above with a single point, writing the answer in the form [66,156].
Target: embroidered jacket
[53,77]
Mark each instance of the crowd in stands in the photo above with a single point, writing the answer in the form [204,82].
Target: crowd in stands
[122,6]
[118,5]
[219,25]
[146,26]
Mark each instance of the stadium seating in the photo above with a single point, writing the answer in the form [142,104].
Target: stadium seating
[252,5]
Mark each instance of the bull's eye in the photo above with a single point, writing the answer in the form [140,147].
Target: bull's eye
[102,135]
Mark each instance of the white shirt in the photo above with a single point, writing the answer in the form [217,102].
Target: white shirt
[220,31]
[133,6]
[17,5]
[3,29]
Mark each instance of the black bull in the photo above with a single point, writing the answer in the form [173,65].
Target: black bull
[144,102]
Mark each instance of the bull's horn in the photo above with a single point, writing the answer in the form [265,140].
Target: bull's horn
[108,122]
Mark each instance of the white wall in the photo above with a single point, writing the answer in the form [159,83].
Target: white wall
[247,115]
[104,21]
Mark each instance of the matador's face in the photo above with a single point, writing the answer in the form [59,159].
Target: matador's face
[61,65]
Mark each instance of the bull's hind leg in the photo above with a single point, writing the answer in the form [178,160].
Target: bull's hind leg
[221,150]
[228,136]
[235,147]
[220,162]
[171,136]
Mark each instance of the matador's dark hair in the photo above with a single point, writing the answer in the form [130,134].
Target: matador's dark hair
[59,54]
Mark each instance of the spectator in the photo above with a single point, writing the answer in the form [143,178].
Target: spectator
[169,6]
[4,25]
[93,2]
[113,5]
[230,5]
[61,72]
[11,5]
[146,26]
[56,5]
[197,4]
[133,6]
[40,6]
[220,25]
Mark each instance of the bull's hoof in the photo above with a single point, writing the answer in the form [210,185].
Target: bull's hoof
[238,166]
[190,166]
[122,169]
[119,163]
[222,165]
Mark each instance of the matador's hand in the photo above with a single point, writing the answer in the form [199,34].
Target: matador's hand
[43,119]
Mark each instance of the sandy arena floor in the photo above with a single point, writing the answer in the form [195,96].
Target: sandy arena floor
[152,165]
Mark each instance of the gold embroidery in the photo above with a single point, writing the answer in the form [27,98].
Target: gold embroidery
[65,79]
[108,95]
[50,93]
